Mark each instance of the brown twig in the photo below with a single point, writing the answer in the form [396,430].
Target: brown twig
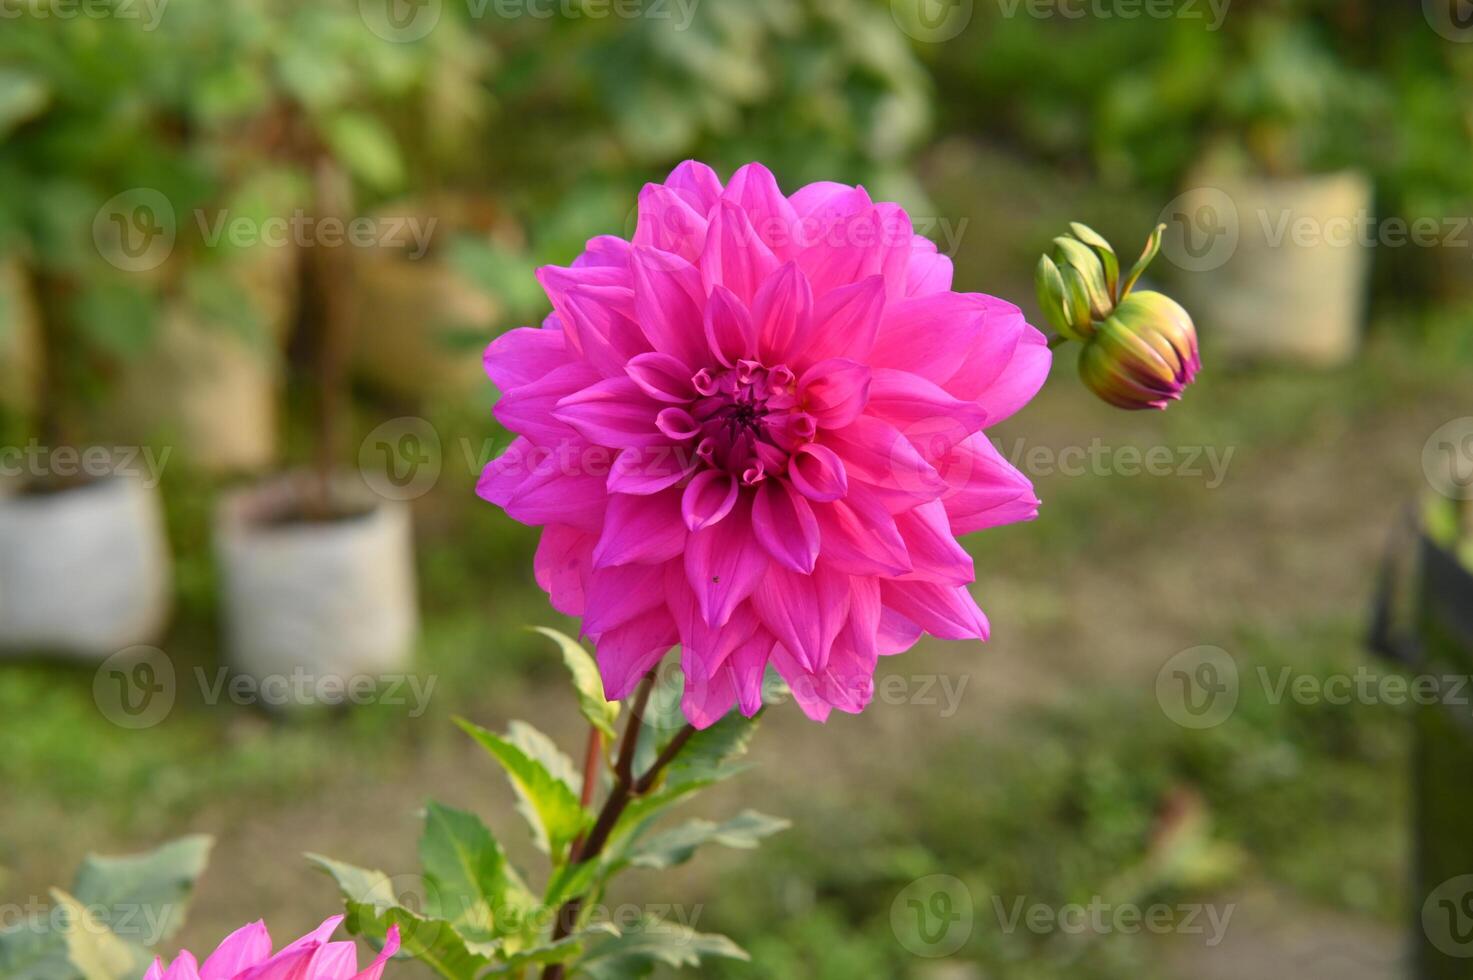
[626,788]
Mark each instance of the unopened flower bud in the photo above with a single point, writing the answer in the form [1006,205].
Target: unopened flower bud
[1143,354]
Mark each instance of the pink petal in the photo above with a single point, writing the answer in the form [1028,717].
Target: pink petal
[825,195]
[846,320]
[602,318]
[617,595]
[528,410]
[375,970]
[246,946]
[1016,385]
[523,355]
[562,565]
[804,612]
[563,486]
[879,454]
[860,536]
[706,700]
[933,550]
[818,473]
[333,960]
[291,963]
[734,255]
[729,330]
[708,498]
[984,489]
[669,222]
[755,190]
[928,271]
[668,296]
[698,183]
[918,407]
[802,683]
[785,525]
[835,391]
[924,335]
[184,967]
[650,469]
[662,377]
[896,633]
[748,664]
[558,281]
[944,611]
[896,238]
[780,313]
[849,250]
[613,412]
[626,653]
[642,530]
[724,563]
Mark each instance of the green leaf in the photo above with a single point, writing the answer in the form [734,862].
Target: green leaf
[547,801]
[676,846]
[544,750]
[22,96]
[709,752]
[142,897]
[1102,248]
[116,318]
[559,952]
[373,907]
[636,953]
[32,950]
[600,712]
[1153,246]
[367,148]
[92,948]
[470,882]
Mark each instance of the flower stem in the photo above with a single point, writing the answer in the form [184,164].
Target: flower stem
[626,788]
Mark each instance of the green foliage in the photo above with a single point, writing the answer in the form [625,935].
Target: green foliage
[478,917]
[103,928]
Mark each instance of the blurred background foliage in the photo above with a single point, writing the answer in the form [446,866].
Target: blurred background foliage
[525,135]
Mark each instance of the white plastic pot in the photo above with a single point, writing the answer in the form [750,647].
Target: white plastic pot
[83,571]
[1281,265]
[308,602]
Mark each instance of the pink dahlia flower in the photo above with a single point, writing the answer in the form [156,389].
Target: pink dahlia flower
[756,431]
[246,955]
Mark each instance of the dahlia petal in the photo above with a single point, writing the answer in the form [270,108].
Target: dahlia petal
[802,684]
[698,183]
[917,406]
[375,970]
[729,330]
[604,250]
[708,498]
[246,946]
[934,553]
[640,530]
[944,611]
[548,495]
[646,470]
[155,970]
[734,256]
[668,221]
[859,535]
[333,960]
[561,566]
[521,356]
[785,525]
[835,391]
[1025,374]
[529,409]
[748,664]
[928,271]
[667,300]
[558,281]
[602,320]
[822,195]
[754,189]
[880,454]
[804,612]
[626,653]
[706,700]
[617,595]
[704,647]
[896,236]
[500,478]
[896,634]
[662,377]
[848,252]
[922,334]
[846,320]
[291,963]
[818,473]
[780,313]
[724,563]
[184,967]
[985,490]
[614,412]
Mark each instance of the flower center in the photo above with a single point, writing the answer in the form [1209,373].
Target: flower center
[749,420]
